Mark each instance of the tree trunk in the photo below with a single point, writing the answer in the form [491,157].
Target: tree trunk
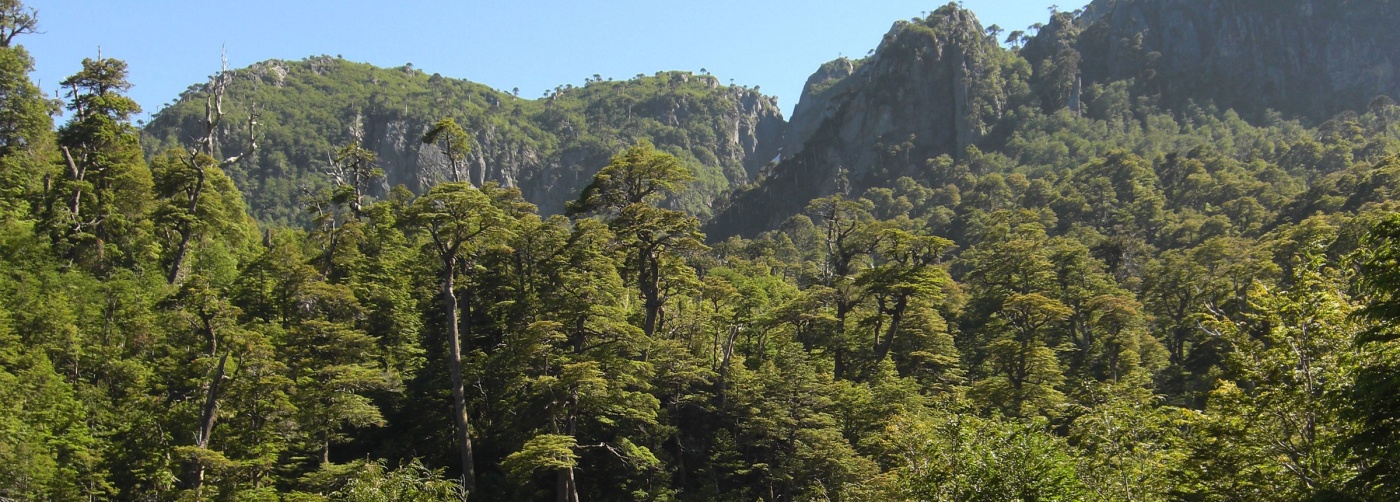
[186,230]
[649,282]
[565,488]
[208,412]
[207,416]
[842,310]
[728,353]
[680,448]
[173,275]
[459,394]
[897,314]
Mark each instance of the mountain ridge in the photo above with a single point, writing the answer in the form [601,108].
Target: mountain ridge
[548,147]
[1112,47]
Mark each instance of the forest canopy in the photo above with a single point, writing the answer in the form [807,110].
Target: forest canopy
[1127,301]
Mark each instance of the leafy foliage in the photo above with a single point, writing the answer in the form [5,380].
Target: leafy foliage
[1123,303]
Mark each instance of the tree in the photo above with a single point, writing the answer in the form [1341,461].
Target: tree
[182,184]
[847,234]
[454,143]
[16,20]
[1025,371]
[626,194]
[102,199]
[26,132]
[1277,408]
[1374,402]
[945,456]
[459,221]
[354,170]
[410,482]
[207,332]
[905,275]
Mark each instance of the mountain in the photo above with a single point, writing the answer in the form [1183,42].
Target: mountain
[548,147]
[944,84]
[1305,58]
[932,87]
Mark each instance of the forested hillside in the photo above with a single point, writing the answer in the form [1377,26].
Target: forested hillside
[1023,291]
[1147,76]
[547,147]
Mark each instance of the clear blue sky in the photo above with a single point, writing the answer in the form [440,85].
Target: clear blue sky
[531,44]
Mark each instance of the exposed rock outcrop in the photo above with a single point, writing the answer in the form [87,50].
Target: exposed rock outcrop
[940,84]
[932,87]
[1306,58]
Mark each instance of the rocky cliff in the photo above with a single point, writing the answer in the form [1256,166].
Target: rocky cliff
[934,86]
[1307,58]
[548,147]
[938,85]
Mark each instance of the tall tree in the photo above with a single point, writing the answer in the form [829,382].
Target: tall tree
[627,194]
[454,143]
[459,221]
[101,200]
[16,20]
[1374,401]
[847,233]
[905,275]
[182,185]
[26,130]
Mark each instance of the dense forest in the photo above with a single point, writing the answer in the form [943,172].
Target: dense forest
[1102,292]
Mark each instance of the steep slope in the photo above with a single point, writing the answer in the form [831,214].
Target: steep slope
[934,86]
[939,85]
[549,147]
[1306,58]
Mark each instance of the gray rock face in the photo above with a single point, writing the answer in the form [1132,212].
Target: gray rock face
[939,85]
[1306,58]
[865,122]
[814,106]
[750,132]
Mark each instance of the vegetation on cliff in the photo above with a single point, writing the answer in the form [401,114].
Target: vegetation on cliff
[548,147]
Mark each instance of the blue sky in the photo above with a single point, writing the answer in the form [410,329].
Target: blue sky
[531,44]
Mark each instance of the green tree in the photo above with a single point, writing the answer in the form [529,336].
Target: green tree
[905,275]
[26,126]
[96,211]
[945,456]
[16,20]
[627,193]
[181,184]
[847,234]
[1025,372]
[1278,412]
[454,143]
[460,222]
[1374,402]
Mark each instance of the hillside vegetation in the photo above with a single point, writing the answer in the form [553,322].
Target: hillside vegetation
[972,278]
[547,147]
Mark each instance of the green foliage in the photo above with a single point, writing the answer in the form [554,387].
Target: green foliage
[411,482]
[1115,302]
[947,456]
[549,147]
[95,212]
